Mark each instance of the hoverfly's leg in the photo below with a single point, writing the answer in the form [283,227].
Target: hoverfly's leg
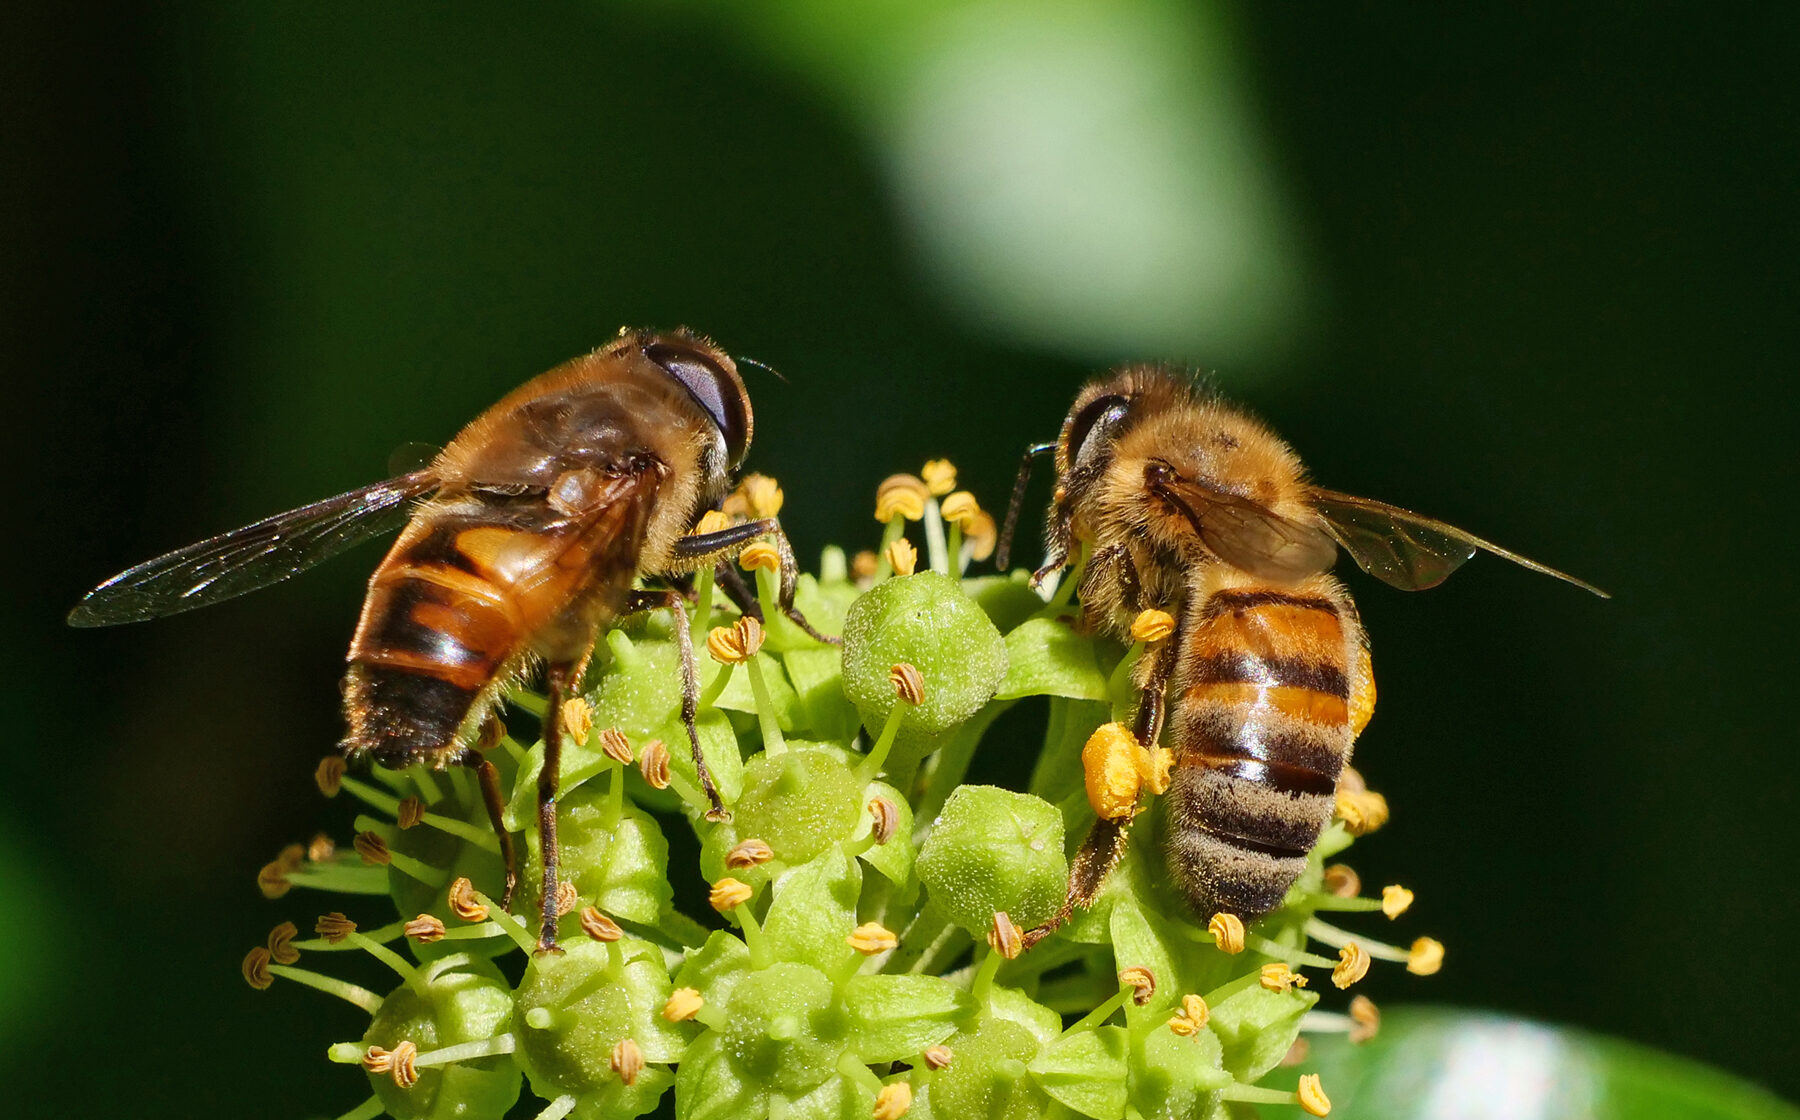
[1003,549]
[559,679]
[489,777]
[1104,844]
[690,689]
[731,581]
[729,542]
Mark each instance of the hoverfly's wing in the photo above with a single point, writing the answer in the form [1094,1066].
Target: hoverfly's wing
[1408,550]
[253,557]
[1250,536]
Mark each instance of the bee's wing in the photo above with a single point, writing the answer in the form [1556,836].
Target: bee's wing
[253,557]
[1408,550]
[1250,536]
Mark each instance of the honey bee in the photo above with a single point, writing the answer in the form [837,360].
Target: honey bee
[1184,504]
[522,542]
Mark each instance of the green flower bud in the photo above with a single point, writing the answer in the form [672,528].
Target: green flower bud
[467,1003]
[926,621]
[992,850]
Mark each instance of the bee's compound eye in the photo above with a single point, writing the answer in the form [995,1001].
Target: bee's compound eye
[715,387]
[1095,426]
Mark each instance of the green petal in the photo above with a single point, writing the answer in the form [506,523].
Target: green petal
[1085,1070]
[1046,657]
[898,1017]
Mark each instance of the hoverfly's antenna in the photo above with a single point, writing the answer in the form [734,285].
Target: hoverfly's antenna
[743,361]
[1003,550]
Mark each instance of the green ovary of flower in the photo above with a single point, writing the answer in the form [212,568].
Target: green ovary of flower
[469,1002]
[995,850]
[577,1005]
[787,1027]
[799,802]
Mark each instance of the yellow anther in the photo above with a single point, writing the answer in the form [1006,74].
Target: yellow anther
[256,968]
[684,1004]
[371,847]
[901,495]
[1183,1026]
[940,477]
[1109,762]
[411,811]
[566,897]
[273,880]
[961,508]
[321,848]
[981,535]
[902,557]
[1395,900]
[1152,626]
[762,495]
[464,904]
[760,556]
[627,1061]
[1195,1009]
[1362,701]
[334,927]
[728,894]
[330,775]
[492,731]
[291,857]
[863,565]
[577,719]
[1004,937]
[737,643]
[1365,1019]
[424,929]
[615,745]
[1278,977]
[400,1062]
[884,819]
[939,1057]
[1141,981]
[1297,1052]
[712,521]
[1425,957]
[1342,881]
[280,943]
[748,853]
[1353,965]
[1361,811]
[893,1102]
[908,682]
[598,926]
[1153,768]
[1312,1095]
[1227,932]
[653,763]
[871,938]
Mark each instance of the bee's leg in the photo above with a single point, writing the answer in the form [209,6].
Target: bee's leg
[742,595]
[1104,845]
[559,679]
[729,542]
[489,778]
[690,689]
[1003,548]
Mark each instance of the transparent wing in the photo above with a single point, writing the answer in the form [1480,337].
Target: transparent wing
[1408,550]
[1247,535]
[253,557]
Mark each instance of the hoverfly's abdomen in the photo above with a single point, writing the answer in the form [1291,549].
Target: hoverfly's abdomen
[1261,731]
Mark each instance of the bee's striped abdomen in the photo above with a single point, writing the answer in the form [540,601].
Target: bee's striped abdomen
[1261,730]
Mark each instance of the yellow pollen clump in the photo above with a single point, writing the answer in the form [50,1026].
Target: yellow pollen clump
[1365,1019]
[939,476]
[901,495]
[1342,881]
[761,494]
[1278,977]
[871,938]
[653,763]
[884,817]
[464,904]
[902,557]
[1362,701]
[577,719]
[961,508]
[334,927]
[1004,937]
[712,521]
[330,775]
[280,943]
[939,1057]
[1353,965]
[1312,1095]
[424,929]
[1425,957]
[411,811]
[627,1061]
[728,894]
[684,1004]
[1141,981]
[371,847]
[748,853]
[760,556]
[737,643]
[614,745]
[1227,931]
[598,926]
[256,968]
[1152,626]
[1153,768]
[909,684]
[893,1102]
[1109,763]
[1395,900]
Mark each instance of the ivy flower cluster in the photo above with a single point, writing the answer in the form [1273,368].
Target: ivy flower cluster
[850,943]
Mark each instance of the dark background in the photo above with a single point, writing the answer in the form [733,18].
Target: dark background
[1547,272]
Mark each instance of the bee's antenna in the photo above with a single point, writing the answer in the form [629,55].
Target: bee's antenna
[1003,552]
[743,361]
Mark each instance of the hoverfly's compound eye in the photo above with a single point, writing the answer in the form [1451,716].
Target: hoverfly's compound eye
[1095,426]
[715,387]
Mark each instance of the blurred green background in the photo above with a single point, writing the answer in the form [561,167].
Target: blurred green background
[1530,269]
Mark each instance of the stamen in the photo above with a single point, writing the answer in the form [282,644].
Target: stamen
[425,929]
[399,1062]
[614,745]
[737,643]
[1004,937]
[961,509]
[894,1101]
[939,1057]
[1141,981]
[1361,811]
[1193,1015]
[334,927]
[468,1051]
[1278,977]
[566,897]
[1296,1053]
[980,536]
[713,521]
[273,880]
[1353,965]
[598,926]
[411,811]
[748,853]
[1342,881]
[627,1061]
[729,894]
[884,818]
[577,719]
[871,938]
[321,848]
[760,556]
[653,764]
[256,968]
[901,495]
[1152,626]
[464,904]
[330,985]
[684,1004]
[939,477]
[1227,932]
[330,774]
[862,566]
[1366,1018]
[902,557]
[372,848]
[1312,1095]
[1426,957]
[762,495]
[1395,900]
[281,943]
